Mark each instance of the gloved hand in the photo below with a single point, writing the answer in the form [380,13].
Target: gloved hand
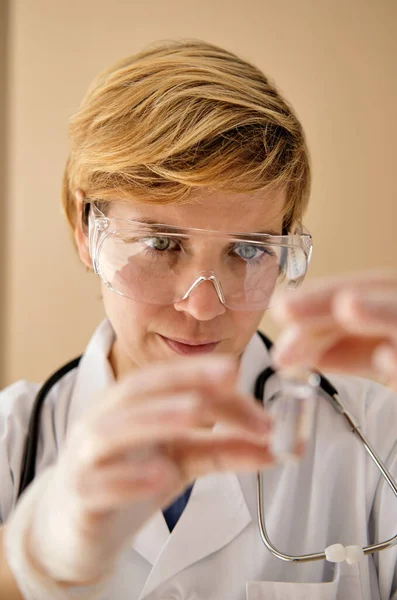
[346,323]
[141,444]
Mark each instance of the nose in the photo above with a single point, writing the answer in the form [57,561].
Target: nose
[203,302]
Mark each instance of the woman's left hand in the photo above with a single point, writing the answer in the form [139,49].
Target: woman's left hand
[346,324]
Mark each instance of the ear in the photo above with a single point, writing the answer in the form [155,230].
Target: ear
[80,235]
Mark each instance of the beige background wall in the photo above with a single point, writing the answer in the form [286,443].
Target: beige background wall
[334,60]
[3,169]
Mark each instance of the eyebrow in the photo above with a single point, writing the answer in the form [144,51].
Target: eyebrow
[156,226]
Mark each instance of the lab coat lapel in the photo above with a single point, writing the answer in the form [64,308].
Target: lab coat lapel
[215,514]
[151,540]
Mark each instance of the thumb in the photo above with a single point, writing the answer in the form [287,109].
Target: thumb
[370,312]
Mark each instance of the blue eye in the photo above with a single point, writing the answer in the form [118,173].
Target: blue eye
[161,244]
[249,251]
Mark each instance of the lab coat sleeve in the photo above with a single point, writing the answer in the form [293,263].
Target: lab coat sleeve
[382,432]
[15,407]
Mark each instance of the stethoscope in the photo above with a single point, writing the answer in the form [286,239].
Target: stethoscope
[335,553]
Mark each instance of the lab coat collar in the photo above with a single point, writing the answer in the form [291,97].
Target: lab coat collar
[94,372]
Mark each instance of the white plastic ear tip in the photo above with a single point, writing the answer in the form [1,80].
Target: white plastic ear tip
[354,554]
[335,553]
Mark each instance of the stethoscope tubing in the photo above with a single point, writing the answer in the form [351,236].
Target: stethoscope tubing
[370,549]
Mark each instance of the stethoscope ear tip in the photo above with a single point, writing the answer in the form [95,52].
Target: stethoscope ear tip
[338,553]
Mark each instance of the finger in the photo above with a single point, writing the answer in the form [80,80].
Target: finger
[119,484]
[180,462]
[210,406]
[343,352]
[304,345]
[132,429]
[384,360]
[316,298]
[352,354]
[176,375]
[205,453]
[164,420]
[194,409]
[237,411]
[374,312]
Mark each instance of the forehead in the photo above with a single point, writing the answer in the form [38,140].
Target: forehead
[222,211]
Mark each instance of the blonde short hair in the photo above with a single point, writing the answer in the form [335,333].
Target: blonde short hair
[183,115]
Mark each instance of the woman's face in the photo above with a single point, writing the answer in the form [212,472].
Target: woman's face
[150,332]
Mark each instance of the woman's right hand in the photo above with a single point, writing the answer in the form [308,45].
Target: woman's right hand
[146,439]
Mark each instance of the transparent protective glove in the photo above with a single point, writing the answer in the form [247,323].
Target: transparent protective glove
[344,324]
[141,444]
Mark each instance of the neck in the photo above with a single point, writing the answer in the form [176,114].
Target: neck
[120,363]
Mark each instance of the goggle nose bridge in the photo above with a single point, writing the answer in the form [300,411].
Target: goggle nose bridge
[206,276]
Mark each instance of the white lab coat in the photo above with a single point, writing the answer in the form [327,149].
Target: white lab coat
[215,551]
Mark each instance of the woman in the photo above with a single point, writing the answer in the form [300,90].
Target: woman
[185,188]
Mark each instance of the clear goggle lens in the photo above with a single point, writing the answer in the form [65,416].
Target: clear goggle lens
[160,266]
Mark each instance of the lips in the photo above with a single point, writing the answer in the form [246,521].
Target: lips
[188,347]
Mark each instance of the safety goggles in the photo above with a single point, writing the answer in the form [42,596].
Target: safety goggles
[161,264]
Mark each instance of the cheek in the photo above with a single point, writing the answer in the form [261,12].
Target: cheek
[244,326]
[130,320]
